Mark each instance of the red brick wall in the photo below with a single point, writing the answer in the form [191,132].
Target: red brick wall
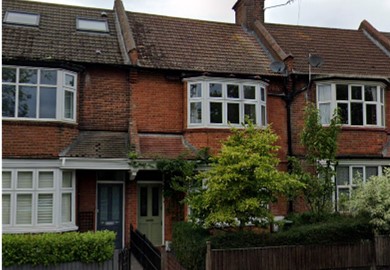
[131,208]
[86,194]
[104,99]
[33,139]
[157,103]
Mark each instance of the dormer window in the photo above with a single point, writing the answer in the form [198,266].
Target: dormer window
[92,25]
[22,18]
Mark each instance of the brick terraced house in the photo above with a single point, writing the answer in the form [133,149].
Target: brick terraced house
[83,87]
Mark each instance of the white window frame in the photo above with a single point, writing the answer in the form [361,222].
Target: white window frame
[260,101]
[332,102]
[86,24]
[356,164]
[60,87]
[57,190]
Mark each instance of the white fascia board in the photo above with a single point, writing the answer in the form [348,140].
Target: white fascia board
[94,164]
[31,163]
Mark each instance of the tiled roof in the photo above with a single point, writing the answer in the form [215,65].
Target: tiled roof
[161,145]
[56,38]
[345,52]
[99,144]
[184,44]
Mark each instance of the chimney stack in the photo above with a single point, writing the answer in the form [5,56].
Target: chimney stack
[248,12]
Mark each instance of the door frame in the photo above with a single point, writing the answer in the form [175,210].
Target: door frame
[145,183]
[123,205]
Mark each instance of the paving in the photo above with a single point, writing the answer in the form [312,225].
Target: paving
[135,265]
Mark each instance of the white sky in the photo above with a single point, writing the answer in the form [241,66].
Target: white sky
[325,13]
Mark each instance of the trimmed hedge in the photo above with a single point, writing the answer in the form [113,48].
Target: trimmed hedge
[52,248]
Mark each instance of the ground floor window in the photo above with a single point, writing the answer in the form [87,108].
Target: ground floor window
[38,200]
[348,176]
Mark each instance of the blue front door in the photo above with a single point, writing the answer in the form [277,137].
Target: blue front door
[110,210]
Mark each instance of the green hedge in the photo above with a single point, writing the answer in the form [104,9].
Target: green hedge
[52,248]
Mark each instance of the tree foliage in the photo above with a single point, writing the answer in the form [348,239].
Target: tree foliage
[242,180]
[372,199]
[316,172]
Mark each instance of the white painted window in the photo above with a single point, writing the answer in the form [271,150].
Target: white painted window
[358,104]
[214,102]
[31,93]
[348,176]
[38,200]
[92,25]
[22,18]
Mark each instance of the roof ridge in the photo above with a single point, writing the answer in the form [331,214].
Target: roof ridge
[374,33]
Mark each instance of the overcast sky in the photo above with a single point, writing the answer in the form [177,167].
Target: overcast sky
[325,13]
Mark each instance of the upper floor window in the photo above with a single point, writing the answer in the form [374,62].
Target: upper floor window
[22,18]
[218,102]
[357,104]
[39,93]
[92,25]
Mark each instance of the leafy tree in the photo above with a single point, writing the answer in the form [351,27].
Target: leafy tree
[242,180]
[316,172]
[372,199]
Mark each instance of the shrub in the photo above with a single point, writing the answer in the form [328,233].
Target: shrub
[189,245]
[51,248]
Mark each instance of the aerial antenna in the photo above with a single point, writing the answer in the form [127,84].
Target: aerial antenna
[280,5]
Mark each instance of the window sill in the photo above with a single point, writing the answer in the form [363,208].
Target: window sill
[53,123]
[47,229]
[363,128]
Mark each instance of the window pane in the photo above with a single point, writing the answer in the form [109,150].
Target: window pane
[66,207]
[341,92]
[357,174]
[28,76]
[234,113]
[195,112]
[8,101]
[371,114]
[6,208]
[262,94]
[370,93]
[92,25]
[263,114]
[325,113]
[144,202]
[356,113]
[233,91]
[69,80]
[67,179]
[22,18]
[195,90]
[69,105]
[45,208]
[343,112]
[371,171]
[250,110]
[27,101]
[342,176]
[46,180]
[357,92]
[215,90]
[155,201]
[343,197]
[215,112]
[6,179]
[324,92]
[9,74]
[47,102]
[48,76]
[249,92]
[25,180]
[23,208]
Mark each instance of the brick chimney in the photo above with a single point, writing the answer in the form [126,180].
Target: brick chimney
[249,11]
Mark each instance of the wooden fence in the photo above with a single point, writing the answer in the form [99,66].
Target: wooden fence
[363,255]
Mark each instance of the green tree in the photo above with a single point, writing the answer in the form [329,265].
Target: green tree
[372,199]
[242,180]
[317,170]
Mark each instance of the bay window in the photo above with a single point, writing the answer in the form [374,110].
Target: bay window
[222,102]
[38,93]
[357,104]
[37,200]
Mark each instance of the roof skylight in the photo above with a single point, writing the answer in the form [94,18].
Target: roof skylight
[92,25]
[23,18]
